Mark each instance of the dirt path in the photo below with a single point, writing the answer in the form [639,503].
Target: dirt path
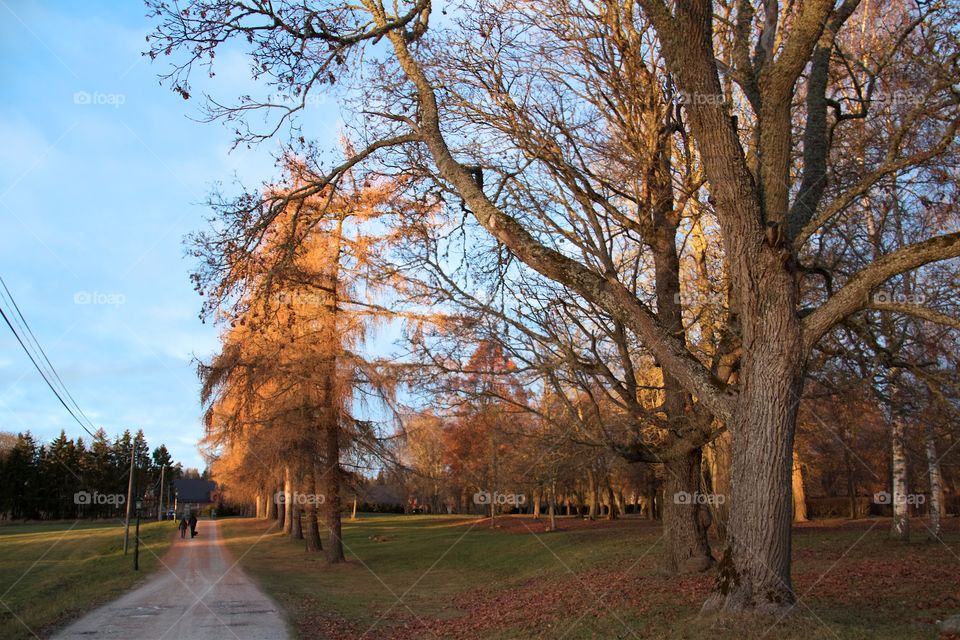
[200,594]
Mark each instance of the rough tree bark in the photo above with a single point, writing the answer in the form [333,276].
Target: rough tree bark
[288,501]
[688,550]
[311,532]
[296,522]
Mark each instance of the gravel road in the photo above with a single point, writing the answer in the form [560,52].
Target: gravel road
[200,594]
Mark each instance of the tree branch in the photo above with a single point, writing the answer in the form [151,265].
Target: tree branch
[855,294]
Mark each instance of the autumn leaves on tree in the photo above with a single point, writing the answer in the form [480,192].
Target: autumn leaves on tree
[280,393]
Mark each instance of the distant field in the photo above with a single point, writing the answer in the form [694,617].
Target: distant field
[50,573]
[450,577]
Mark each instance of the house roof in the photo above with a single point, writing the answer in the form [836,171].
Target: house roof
[197,491]
[383,494]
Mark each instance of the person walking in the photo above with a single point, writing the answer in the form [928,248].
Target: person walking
[183,526]
[193,525]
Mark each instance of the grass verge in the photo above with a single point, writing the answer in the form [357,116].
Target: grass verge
[451,577]
[52,572]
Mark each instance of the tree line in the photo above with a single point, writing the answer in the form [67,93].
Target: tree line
[68,478]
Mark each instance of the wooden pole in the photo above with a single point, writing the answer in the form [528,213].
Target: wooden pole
[163,468]
[126,524]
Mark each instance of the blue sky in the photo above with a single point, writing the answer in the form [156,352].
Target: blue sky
[102,174]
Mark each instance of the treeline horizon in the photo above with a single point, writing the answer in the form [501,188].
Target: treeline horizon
[67,478]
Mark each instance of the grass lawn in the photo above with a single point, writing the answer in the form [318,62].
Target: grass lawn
[452,577]
[53,572]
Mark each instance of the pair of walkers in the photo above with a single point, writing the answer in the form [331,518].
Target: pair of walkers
[191,522]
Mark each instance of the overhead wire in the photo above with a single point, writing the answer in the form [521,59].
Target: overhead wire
[43,353]
[44,374]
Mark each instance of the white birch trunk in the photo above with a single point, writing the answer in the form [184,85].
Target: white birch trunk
[936,484]
[901,514]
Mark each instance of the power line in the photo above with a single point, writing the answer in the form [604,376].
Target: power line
[42,373]
[36,342]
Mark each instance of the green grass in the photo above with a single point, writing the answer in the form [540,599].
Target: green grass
[463,581]
[53,572]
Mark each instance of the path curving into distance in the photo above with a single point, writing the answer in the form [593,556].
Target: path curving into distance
[200,594]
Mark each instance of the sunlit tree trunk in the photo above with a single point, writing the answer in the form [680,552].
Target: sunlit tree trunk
[799,495]
[718,462]
[755,570]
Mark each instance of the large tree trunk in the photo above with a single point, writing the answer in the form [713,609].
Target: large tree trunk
[593,494]
[936,483]
[611,503]
[296,506]
[901,514]
[536,503]
[271,505]
[288,501]
[717,454]
[851,485]
[553,506]
[687,547]
[755,570]
[799,495]
[331,483]
[311,525]
[652,496]
[296,522]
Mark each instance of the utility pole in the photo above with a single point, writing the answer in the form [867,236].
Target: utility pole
[160,501]
[136,542]
[126,525]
